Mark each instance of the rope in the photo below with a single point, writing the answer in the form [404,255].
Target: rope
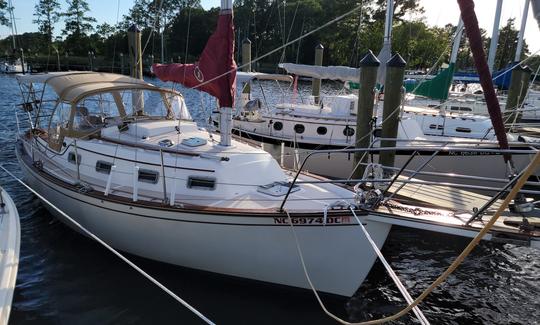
[391,272]
[521,181]
[114,251]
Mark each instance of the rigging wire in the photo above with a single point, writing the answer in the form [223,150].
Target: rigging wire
[111,249]
[115,37]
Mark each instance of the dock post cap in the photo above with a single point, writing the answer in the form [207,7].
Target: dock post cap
[396,61]
[246,41]
[319,47]
[370,60]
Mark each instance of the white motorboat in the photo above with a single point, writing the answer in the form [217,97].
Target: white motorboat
[10,242]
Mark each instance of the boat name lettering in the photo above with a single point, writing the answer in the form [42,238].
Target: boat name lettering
[472,153]
[313,220]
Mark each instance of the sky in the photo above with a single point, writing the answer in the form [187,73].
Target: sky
[437,13]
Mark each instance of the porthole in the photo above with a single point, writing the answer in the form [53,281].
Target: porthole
[103,167]
[278,126]
[464,130]
[321,130]
[299,128]
[74,159]
[348,131]
[201,183]
[148,176]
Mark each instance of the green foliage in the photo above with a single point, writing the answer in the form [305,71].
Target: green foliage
[47,14]
[506,48]
[3,11]
[77,27]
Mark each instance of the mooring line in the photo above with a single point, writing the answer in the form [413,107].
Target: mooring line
[421,318]
[114,251]
[419,314]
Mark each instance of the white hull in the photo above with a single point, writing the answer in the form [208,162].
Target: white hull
[10,237]
[254,247]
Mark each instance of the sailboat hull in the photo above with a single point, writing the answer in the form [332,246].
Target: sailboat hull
[337,255]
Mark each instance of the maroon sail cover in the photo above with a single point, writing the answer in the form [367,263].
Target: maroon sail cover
[215,73]
[475,40]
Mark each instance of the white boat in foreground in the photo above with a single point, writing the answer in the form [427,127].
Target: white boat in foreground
[10,241]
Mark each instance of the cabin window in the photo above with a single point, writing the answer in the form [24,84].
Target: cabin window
[201,183]
[74,159]
[148,176]
[321,130]
[278,126]
[299,128]
[348,131]
[464,130]
[103,167]
[436,127]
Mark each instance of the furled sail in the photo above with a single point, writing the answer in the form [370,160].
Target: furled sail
[321,72]
[473,33]
[215,73]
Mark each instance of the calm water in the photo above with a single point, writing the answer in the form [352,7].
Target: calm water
[65,278]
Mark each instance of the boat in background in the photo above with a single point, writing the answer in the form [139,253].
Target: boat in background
[10,242]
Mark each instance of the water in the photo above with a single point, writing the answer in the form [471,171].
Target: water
[66,278]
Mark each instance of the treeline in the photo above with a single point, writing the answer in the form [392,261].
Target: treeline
[183,27]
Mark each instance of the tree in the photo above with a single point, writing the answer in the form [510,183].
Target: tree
[77,27]
[507,46]
[3,8]
[47,13]
[77,23]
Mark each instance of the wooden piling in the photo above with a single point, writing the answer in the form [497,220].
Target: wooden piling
[316,83]
[395,71]
[369,66]
[246,63]
[519,85]
[135,52]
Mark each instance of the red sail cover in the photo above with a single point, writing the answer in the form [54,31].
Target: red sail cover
[215,73]
[475,40]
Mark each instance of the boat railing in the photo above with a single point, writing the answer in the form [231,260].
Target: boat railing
[433,151]
[416,150]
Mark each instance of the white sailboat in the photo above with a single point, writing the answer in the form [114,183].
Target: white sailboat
[10,242]
[117,155]
[17,65]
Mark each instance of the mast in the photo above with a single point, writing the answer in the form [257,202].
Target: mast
[12,18]
[495,36]
[519,48]
[457,41]
[386,51]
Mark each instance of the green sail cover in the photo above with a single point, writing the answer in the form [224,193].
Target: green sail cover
[439,86]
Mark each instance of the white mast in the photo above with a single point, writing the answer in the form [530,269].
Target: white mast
[457,41]
[517,58]
[386,51]
[494,36]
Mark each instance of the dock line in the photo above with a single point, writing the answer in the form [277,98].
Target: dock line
[114,251]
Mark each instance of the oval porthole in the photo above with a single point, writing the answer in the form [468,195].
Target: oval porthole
[348,131]
[321,130]
[278,126]
[299,128]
